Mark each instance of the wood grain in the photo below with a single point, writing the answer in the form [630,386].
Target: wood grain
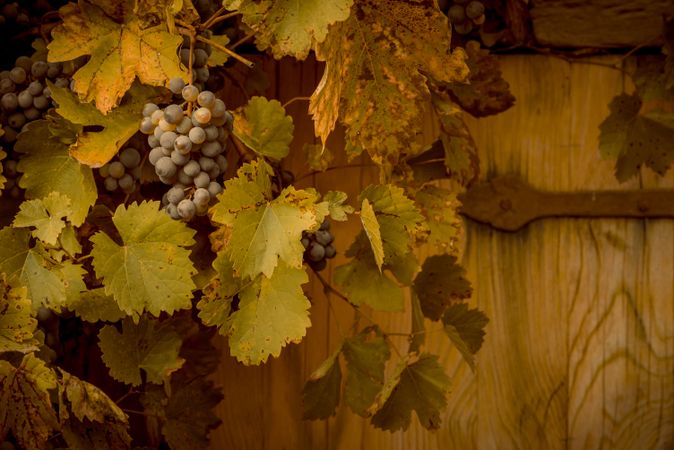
[579,352]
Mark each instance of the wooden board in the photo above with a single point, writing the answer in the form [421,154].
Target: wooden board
[579,353]
[598,23]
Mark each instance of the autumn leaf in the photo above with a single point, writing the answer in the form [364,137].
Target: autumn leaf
[441,281]
[465,328]
[336,205]
[120,51]
[364,284]
[317,156]
[373,232]
[264,127]
[439,206]
[375,80]
[95,305]
[320,395]
[45,215]
[366,355]
[290,28]
[17,323]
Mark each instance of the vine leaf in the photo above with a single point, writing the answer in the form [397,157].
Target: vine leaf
[120,50]
[439,207]
[95,148]
[264,127]
[287,27]
[95,305]
[265,231]
[24,393]
[272,312]
[48,167]
[149,345]
[317,156]
[216,303]
[397,216]
[486,92]
[86,401]
[418,337]
[465,328]
[17,323]
[366,355]
[321,392]
[186,416]
[376,72]
[151,270]
[46,215]
[441,281]
[635,139]
[336,207]
[371,227]
[422,387]
[217,56]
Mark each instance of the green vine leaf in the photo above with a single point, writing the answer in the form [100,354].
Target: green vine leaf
[94,306]
[290,28]
[320,395]
[120,50]
[149,345]
[45,215]
[366,355]
[336,207]
[376,74]
[465,328]
[31,417]
[17,323]
[272,312]
[217,56]
[48,167]
[151,270]
[440,282]
[216,303]
[96,147]
[422,387]
[264,127]
[265,231]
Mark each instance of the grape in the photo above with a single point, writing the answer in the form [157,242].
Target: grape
[164,125]
[172,211]
[200,58]
[9,102]
[116,169]
[201,197]
[287,177]
[127,183]
[184,126]
[183,178]
[175,195]
[192,168]
[9,167]
[130,157]
[187,209]
[211,133]
[165,168]
[323,237]
[211,149]
[207,163]
[16,120]
[7,86]
[206,99]
[41,102]
[330,251]
[35,88]
[146,126]
[61,83]
[214,188]
[46,92]
[155,154]
[149,109]
[456,13]
[474,9]
[156,116]
[197,135]
[24,62]
[214,172]
[479,20]
[110,184]
[202,115]
[320,265]
[202,180]
[168,139]
[202,74]
[18,75]
[53,69]
[190,93]
[325,225]
[218,109]
[173,114]
[185,56]
[104,170]
[463,27]
[25,99]
[32,114]
[176,85]
[178,158]
[222,162]
[153,141]
[183,144]
[315,252]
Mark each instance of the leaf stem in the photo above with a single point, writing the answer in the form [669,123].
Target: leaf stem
[242,40]
[337,167]
[294,99]
[218,16]
[250,64]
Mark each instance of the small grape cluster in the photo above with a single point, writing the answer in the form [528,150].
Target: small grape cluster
[188,141]
[123,172]
[318,246]
[466,15]
[200,72]
[12,176]
[24,94]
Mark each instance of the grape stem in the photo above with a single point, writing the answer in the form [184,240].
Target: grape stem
[250,64]
[218,17]
[242,40]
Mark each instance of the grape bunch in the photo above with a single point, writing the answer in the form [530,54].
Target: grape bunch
[188,142]
[201,75]
[318,246]
[13,176]
[123,172]
[465,16]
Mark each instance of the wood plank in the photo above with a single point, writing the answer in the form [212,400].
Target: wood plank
[598,23]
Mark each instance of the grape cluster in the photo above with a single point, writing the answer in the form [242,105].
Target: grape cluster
[123,172]
[318,246]
[13,176]
[188,142]
[466,15]
[202,77]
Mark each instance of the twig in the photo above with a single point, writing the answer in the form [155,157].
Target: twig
[294,99]
[341,166]
[242,40]
[248,63]
[222,18]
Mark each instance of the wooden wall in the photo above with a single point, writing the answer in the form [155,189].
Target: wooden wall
[579,352]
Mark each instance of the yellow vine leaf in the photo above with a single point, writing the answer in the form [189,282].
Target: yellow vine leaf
[375,78]
[120,51]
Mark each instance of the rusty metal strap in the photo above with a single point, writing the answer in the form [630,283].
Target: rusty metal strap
[509,204]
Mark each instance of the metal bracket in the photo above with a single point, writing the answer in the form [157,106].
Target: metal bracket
[506,203]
